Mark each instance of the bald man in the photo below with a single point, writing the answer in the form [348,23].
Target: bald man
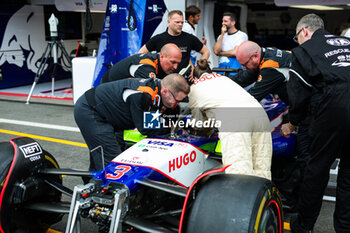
[267,67]
[148,65]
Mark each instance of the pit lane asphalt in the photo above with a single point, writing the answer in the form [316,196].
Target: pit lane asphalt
[71,153]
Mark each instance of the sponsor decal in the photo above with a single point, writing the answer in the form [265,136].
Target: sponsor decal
[279,53]
[343,61]
[341,64]
[207,77]
[184,145]
[183,160]
[183,49]
[31,151]
[157,147]
[161,143]
[134,160]
[152,75]
[338,42]
[114,8]
[154,8]
[336,51]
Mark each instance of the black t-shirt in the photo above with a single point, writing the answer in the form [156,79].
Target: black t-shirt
[186,42]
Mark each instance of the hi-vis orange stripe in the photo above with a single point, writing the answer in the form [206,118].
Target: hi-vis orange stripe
[269,64]
[149,91]
[150,62]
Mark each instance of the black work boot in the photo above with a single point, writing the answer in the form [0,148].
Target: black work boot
[297,226]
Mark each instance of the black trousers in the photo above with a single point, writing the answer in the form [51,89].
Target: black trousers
[303,136]
[289,184]
[103,140]
[330,137]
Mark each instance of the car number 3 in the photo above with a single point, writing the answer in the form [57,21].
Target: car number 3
[120,170]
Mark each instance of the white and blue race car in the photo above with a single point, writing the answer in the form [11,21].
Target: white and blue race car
[165,184]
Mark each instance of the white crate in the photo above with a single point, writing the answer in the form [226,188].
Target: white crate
[83,72]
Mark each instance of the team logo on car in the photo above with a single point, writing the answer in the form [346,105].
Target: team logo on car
[152,75]
[338,42]
[151,120]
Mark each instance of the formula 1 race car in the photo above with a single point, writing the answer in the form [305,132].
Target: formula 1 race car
[166,184]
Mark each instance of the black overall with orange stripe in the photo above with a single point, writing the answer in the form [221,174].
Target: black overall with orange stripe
[140,65]
[115,106]
[272,76]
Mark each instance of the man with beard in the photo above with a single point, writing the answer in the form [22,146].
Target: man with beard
[228,42]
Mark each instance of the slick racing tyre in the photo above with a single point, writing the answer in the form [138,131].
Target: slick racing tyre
[23,189]
[36,221]
[237,204]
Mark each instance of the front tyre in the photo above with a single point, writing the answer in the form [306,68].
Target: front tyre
[236,203]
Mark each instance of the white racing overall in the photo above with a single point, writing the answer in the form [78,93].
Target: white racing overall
[245,135]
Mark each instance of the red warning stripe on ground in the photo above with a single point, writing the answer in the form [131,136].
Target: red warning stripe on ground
[36,96]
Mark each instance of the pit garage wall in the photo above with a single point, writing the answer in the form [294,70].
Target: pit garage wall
[22,39]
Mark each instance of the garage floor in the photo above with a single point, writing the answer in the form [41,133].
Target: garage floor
[62,94]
